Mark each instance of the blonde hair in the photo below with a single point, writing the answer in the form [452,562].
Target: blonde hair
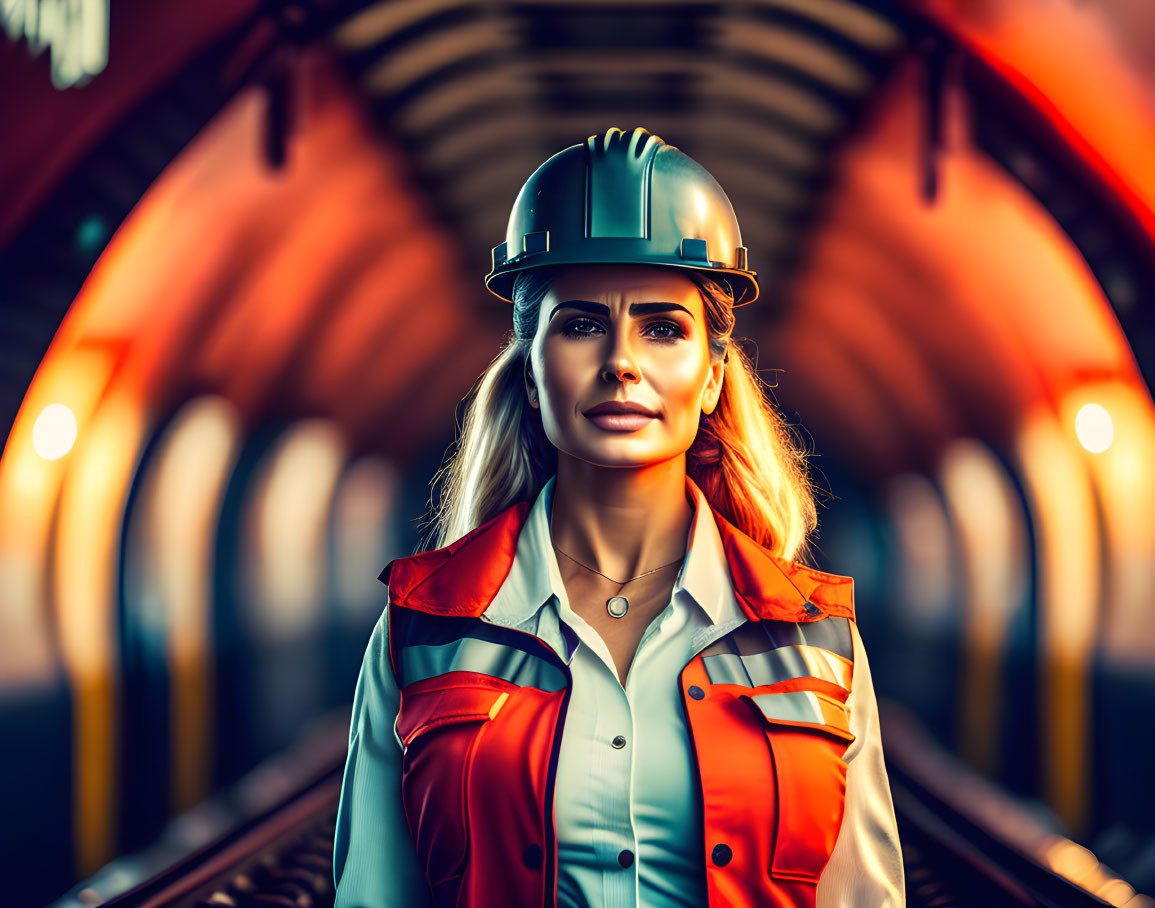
[745,458]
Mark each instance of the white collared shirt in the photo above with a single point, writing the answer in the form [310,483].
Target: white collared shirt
[632,804]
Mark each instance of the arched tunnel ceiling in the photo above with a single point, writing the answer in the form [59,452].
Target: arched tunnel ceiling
[762,94]
[806,110]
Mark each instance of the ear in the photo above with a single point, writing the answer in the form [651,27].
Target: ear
[713,390]
[530,387]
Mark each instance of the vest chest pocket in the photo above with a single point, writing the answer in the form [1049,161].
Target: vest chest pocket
[439,726]
[808,733]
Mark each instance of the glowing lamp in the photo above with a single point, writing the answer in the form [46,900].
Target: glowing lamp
[1093,428]
[54,432]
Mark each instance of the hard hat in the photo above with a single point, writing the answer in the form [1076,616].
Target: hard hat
[623,198]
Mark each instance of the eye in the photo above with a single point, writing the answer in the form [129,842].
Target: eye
[577,328]
[666,330]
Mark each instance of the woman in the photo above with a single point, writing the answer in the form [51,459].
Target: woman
[610,684]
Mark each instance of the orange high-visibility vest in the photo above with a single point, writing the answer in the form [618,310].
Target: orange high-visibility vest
[483,707]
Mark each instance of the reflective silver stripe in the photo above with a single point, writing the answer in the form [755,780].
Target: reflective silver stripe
[726,668]
[830,633]
[776,665]
[792,706]
[470,654]
[803,708]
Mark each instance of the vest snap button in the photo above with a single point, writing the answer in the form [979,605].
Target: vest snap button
[618,742]
[625,857]
[696,692]
[721,855]
[812,609]
[532,856]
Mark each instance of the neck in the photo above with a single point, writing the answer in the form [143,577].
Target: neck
[621,520]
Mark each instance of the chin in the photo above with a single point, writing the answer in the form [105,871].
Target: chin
[622,454]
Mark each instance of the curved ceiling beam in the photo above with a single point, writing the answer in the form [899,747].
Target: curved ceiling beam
[740,133]
[861,24]
[492,166]
[845,26]
[778,94]
[792,50]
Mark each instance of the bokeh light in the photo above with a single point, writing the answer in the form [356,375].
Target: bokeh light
[54,432]
[1094,428]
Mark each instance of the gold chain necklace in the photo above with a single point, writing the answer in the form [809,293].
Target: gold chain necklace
[617,605]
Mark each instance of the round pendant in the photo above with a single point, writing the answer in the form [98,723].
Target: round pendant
[618,606]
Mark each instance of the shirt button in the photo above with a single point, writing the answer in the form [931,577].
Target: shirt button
[721,855]
[625,857]
[532,856]
[619,742]
[696,692]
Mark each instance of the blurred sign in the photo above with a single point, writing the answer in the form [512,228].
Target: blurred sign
[76,31]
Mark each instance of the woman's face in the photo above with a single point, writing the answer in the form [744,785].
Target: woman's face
[622,334]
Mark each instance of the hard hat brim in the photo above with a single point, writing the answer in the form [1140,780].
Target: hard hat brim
[743,284]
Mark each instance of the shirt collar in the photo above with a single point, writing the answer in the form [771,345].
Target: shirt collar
[535,578]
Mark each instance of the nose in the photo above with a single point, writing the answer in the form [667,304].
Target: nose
[620,368]
[620,364]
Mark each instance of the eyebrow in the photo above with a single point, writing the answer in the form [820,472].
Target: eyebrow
[602,309]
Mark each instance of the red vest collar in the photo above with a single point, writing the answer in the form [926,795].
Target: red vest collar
[462,578]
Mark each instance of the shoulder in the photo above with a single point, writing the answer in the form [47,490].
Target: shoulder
[462,577]
[833,593]
[770,586]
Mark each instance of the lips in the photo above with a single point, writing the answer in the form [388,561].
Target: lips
[620,406]
[620,416]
